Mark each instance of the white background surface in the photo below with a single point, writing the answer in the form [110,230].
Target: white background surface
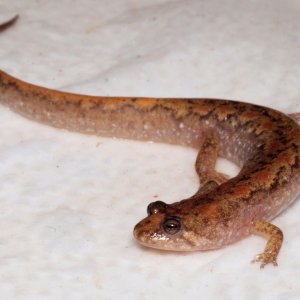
[69,202]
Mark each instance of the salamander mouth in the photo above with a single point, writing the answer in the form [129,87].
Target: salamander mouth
[149,239]
[160,241]
[165,247]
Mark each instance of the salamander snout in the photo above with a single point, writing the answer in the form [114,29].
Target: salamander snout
[161,229]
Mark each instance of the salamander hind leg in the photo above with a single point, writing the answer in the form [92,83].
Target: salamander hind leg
[206,163]
[275,238]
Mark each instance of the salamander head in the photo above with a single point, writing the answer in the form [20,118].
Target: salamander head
[167,228]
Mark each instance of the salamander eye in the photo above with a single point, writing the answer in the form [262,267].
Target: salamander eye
[156,207]
[172,225]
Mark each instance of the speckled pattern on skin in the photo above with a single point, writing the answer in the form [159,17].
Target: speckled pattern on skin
[263,142]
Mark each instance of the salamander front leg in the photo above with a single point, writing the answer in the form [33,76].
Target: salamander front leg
[206,163]
[275,238]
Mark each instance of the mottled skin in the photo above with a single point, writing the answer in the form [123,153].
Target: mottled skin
[265,143]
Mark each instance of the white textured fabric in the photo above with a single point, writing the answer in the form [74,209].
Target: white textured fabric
[69,202]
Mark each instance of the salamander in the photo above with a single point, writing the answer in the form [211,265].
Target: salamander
[263,142]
